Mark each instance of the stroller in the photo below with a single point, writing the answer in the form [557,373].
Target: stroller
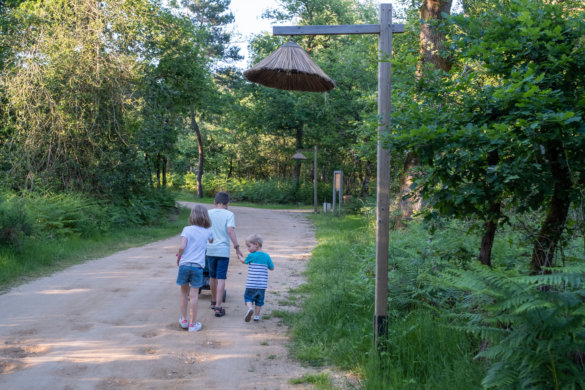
[206,285]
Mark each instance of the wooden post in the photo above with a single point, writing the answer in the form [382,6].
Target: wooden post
[383,175]
[315,182]
[385,28]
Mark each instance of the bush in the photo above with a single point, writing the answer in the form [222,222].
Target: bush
[258,191]
[66,215]
[15,224]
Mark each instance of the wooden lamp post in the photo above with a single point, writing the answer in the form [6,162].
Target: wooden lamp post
[283,71]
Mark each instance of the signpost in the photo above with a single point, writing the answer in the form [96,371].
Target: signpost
[337,190]
[384,29]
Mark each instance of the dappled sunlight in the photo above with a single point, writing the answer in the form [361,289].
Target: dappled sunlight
[64,291]
[216,357]
[85,351]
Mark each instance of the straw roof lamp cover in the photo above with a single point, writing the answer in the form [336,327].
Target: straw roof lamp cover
[290,68]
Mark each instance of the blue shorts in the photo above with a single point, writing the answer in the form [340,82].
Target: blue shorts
[255,295]
[191,275]
[218,266]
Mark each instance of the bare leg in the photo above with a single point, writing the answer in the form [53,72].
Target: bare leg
[257,310]
[213,287]
[194,302]
[219,292]
[249,305]
[184,300]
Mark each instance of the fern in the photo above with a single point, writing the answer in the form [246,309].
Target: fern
[535,325]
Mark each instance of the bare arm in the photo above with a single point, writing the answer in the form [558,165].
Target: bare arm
[232,234]
[181,249]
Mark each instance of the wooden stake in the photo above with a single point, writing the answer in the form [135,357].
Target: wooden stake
[383,175]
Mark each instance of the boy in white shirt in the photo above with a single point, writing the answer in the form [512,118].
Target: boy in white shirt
[223,226]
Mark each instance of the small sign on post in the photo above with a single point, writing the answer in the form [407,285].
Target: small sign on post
[337,190]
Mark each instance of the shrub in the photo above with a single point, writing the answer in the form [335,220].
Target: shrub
[65,215]
[15,224]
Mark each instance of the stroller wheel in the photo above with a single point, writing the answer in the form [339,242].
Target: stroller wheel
[224,295]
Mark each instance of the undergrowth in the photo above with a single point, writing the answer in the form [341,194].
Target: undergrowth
[453,324]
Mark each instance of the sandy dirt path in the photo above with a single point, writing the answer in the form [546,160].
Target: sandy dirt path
[112,323]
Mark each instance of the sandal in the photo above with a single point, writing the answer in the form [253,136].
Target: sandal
[219,312]
[213,305]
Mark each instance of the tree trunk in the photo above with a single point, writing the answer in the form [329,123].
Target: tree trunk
[487,241]
[164,171]
[411,204]
[431,44]
[550,232]
[157,162]
[367,178]
[431,40]
[195,128]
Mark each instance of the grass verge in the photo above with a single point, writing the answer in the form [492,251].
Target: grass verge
[39,258]
[334,326]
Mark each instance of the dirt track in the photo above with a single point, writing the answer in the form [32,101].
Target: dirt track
[111,323]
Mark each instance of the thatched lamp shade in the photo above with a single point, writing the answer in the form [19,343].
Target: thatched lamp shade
[298,156]
[290,68]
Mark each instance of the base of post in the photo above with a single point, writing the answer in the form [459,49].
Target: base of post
[380,332]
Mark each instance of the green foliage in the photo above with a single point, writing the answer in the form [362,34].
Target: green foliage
[534,325]
[503,132]
[15,223]
[256,191]
[143,209]
[423,352]
[65,215]
[320,381]
[49,216]
[69,105]
[335,326]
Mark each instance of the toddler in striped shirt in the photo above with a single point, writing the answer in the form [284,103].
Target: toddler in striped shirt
[258,265]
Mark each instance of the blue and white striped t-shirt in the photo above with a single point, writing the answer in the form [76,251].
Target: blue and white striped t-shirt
[258,265]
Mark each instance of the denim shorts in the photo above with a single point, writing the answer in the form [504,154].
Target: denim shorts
[190,274]
[255,295]
[218,266]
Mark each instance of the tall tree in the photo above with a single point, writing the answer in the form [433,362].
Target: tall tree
[513,133]
[209,19]
[432,58]
[69,94]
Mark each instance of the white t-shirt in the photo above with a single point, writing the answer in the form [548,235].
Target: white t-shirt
[221,219]
[197,239]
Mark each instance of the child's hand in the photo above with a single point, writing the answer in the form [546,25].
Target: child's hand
[241,257]
[178,258]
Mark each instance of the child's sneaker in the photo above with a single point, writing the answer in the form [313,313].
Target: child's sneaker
[248,316]
[183,322]
[195,327]
[256,318]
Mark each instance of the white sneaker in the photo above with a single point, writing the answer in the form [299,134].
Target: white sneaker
[195,327]
[184,323]
[256,318]
[248,316]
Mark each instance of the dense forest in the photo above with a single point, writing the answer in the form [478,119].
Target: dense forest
[119,105]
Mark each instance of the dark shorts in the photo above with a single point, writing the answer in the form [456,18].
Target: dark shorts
[218,266]
[190,274]
[255,295]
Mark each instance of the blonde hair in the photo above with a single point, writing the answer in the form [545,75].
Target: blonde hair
[254,239]
[199,216]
